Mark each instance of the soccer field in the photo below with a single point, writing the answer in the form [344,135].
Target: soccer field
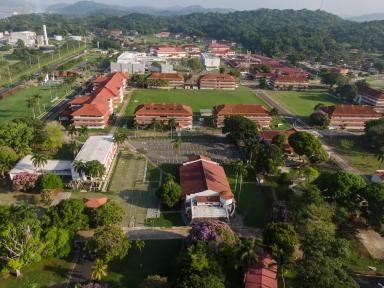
[301,103]
[195,98]
[15,106]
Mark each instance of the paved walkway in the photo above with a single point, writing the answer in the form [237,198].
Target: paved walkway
[156,233]
[120,115]
[372,241]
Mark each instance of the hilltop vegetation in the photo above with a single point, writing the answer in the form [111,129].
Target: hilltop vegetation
[272,32]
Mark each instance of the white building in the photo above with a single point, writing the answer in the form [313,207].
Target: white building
[210,61]
[101,148]
[58,38]
[57,167]
[135,62]
[28,37]
[378,177]
[206,190]
[76,38]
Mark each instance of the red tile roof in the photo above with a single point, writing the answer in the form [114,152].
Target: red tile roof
[241,109]
[169,49]
[263,274]
[95,203]
[205,199]
[351,110]
[371,93]
[79,100]
[200,175]
[91,110]
[163,109]
[269,134]
[218,46]
[166,76]
[291,79]
[218,77]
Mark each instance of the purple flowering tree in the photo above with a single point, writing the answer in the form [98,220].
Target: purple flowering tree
[24,181]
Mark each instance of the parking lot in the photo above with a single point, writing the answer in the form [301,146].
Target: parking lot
[162,150]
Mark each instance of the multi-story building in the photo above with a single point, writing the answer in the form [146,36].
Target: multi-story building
[145,114]
[206,191]
[93,111]
[217,81]
[289,82]
[165,80]
[191,49]
[220,50]
[350,117]
[254,112]
[372,97]
[170,52]
[135,62]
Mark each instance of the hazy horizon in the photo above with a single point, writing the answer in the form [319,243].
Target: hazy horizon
[340,7]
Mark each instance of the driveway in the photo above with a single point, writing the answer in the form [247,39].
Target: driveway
[372,241]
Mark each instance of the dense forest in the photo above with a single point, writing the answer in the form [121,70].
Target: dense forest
[272,32]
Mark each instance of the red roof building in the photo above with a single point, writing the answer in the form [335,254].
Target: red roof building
[350,117]
[372,97]
[289,82]
[170,52]
[268,135]
[254,112]
[146,113]
[220,50]
[93,111]
[217,81]
[94,203]
[191,49]
[171,80]
[206,189]
[263,274]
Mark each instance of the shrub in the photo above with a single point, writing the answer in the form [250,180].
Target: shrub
[51,181]
[24,181]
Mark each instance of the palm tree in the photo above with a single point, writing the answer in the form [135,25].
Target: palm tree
[95,169]
[71,129]
[380,157]
[248,255]
[39,160]
[140,244]
[31,103]
[177,145]
[171,124]
[80,167]
[75,146]
[83,131]
[120,137]
[37,98]
[241,172]
[99,270]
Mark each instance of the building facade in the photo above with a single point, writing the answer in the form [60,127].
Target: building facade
[290,82]
[145,115]
[217,81]
[256,113]
[350,117]
[165,81]
[372,97]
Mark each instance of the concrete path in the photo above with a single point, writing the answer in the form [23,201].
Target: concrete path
[121,113]
[156,233]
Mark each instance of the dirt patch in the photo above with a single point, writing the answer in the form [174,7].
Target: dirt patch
[373,242]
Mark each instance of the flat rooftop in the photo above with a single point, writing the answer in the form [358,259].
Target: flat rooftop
[26,165]
[96,148]
[208,212]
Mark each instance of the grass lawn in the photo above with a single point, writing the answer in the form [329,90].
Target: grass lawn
[301,103]
[46,273]
[196,99]
[354,150]
[15,106]
[166,220]
[376,82]
[157,257]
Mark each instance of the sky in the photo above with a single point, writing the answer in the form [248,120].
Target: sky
[339,7]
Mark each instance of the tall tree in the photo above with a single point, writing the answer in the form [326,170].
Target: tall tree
[177,145]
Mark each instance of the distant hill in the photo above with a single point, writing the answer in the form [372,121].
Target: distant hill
[368,17]
[85,8]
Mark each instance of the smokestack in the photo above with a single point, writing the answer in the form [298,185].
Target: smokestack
[45,35]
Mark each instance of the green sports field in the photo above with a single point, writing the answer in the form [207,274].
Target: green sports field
[15,106]
[301,103]
[195,98]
